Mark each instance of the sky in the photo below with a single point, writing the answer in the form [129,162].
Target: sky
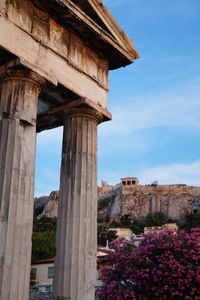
[155,102]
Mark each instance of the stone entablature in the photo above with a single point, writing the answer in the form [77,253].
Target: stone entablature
[43,28]
[56,40]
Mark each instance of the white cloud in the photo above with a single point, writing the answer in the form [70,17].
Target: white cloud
[176,173]
[134,124]
[124,144]
[47,180]
[176,108]
[172,174]
[128,135]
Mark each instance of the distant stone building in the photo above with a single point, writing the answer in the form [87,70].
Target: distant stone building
[125,233]
[129,181]
[104,189]
[136,239]
[168,226]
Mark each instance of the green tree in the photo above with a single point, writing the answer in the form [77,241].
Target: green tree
[43,238]
[126,220]
[43,245]
[137,226]
[156,219]
[39,210]
[190,221]
[114,224]
[104,203]
[44,224]
[104,234]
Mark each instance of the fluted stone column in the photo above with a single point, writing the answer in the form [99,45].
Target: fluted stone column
[75,267]
[18,108]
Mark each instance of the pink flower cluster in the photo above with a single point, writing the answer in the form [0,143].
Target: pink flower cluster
[164,266]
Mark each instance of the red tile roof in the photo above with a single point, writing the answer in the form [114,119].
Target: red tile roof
[43,261]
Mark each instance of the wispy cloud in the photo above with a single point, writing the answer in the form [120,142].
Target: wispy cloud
[138,123]
[176,108]
[161,98]
[176,173]
[47,180]
[172,173]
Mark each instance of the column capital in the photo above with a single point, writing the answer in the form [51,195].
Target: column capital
[23,75]
[19,95]
[85,112]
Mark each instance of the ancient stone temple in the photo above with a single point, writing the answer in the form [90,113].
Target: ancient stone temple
[54,61]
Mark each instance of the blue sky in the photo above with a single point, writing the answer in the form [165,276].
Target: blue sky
[155,102]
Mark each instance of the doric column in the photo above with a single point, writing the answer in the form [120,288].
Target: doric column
[18,108]
[75,267]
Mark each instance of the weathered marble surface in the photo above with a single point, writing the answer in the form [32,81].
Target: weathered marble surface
[18,106]
[76,241]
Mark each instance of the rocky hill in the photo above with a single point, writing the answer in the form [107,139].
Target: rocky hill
[47,205]
[136,200]
[130,198]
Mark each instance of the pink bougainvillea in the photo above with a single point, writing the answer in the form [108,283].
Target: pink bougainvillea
[164,266]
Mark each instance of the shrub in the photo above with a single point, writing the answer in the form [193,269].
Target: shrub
[104,235]
[164,266]
[43,245]
[190,220]
[103,203]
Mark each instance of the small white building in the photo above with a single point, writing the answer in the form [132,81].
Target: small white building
[42,274]
[42,271]
[125,233]
[136,239]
